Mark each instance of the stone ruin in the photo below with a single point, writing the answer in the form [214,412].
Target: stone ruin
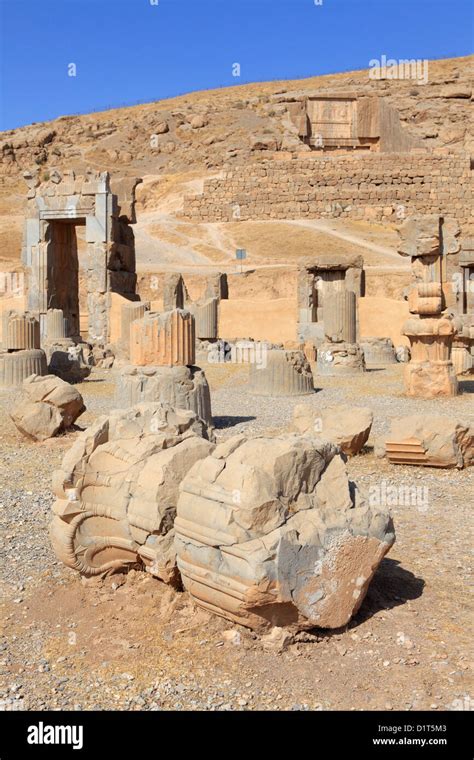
[461,274]
[429,442]
[378,351]
[20,354]
[327,121]
[430,373]
[56,207]
[162,355]
[281,373]
[46,407]
[317,281]
[264,531]
[340,353]
[117,490]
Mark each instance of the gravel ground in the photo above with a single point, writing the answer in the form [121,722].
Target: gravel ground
[132,643]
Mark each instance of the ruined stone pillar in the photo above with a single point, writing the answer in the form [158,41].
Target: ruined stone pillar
[340,316]
[217,287]
[205,315]
[182,387]
[340,353]
[378,351]
[130,312]
[163,339]
[22,332]
[16,366]
[430,373]
[281,373]
[56,325]
[174,292]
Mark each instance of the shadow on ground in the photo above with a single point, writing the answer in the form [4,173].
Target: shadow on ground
[223,422]
[391,586]
[466,386]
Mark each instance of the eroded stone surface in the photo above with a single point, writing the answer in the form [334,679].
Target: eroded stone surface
[267,534]
[47,406]
[182,387]
[430,441]
[118,487]
[281,373]
[346,426]
[166,339]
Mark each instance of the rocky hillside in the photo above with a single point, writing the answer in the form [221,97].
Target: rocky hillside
[175,144]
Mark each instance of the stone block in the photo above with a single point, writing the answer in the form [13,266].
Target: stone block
[117,491]
[180,387]
[430,441]
[267,534]
[15,367]
[22,332]
[281,373]
[46,407]
[346,426]
[166,339]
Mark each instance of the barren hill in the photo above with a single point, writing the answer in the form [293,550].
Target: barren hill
[176,144]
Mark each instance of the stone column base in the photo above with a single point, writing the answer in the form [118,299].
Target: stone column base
[182,387]
[281,373]
[431,379]
[16,366]
[340,359]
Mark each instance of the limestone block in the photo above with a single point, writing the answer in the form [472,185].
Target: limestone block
[281,373]
[95,230]
[217,287]
[130,312]
[166,339]
[22,332]
[430,372]
[430,441]
[462,359]
[117,491]
[267,534]
[420,236]
[46,407]
[378,351]
[181,387]
[56,325]
[340,316]
[431,379]
[205,315]
[175,294]
[346,426]
[15,367]
[340,359]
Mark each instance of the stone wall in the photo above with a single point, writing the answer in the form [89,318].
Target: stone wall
[377,186]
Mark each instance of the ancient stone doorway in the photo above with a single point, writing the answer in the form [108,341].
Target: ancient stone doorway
[63,272]
[56,207]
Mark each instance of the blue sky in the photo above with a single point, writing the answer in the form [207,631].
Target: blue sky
[133,50]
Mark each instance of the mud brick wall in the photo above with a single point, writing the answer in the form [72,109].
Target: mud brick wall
[378,187]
